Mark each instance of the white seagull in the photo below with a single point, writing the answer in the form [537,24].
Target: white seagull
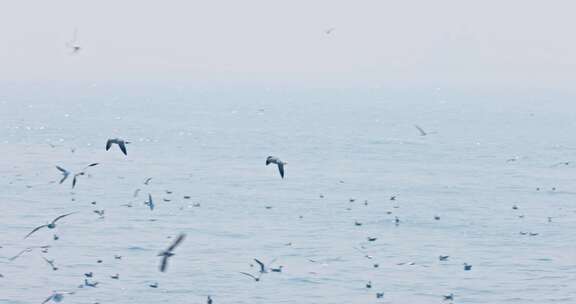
[50,225]
[73,44]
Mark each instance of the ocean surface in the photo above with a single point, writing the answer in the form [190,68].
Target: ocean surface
[497,172]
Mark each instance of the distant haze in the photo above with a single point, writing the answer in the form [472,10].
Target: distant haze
[283,43]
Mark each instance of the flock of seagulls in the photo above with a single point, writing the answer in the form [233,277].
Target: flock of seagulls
[165,255]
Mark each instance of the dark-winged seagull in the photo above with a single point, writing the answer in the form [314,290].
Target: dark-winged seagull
[120,142]
[51,225]
[277,161]
[169,252]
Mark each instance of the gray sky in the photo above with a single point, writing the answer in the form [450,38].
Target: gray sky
[375,43]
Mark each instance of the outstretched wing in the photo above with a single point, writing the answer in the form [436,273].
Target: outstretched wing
[62,170]
[262,267]
[48,299]
[177,242]
[164,264]
[64,215]
[247,274]
[63,178]
[281,169]
[108,144]
[35,229]
[20,253]
[91,165]
[422,132]
[122,146]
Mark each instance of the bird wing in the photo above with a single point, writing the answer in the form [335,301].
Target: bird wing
[150,202]
[91,165]
[122,146]
[281,169]
[35,229]
[51,263]
[422,132]
[164,263]
[64,215]
[262,268]
[109,144]
[247,274]
[268,160]
[48,299]
[74,181]
[136,192]
[64,178]
[20,253]
[64,171]
[177,242]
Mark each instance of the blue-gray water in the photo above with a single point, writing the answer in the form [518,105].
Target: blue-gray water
[212,146]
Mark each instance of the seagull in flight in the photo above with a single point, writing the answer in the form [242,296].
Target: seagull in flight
[150,202]
[277,161]
[66,173]
[422,132]
[72,44]
[564,163]
[50,225]
[169,252]
[120,142]
[57,296]
[29,249]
